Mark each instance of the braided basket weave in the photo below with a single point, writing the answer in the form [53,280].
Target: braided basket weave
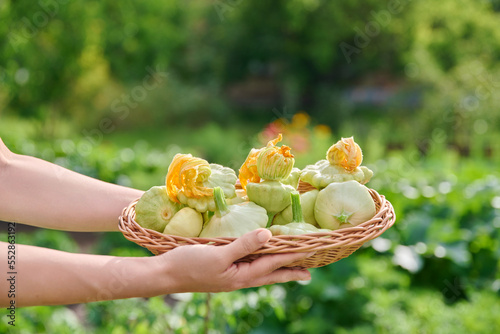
[329,247]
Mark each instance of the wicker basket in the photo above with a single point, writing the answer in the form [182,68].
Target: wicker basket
[329,246]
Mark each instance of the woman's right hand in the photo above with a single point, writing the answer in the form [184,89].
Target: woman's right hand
[208,268]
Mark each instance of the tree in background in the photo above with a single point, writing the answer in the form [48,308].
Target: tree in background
[417,66]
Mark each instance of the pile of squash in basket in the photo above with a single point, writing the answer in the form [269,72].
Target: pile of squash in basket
[201,199]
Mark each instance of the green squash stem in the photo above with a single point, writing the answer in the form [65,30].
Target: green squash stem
[270,218]
[343,217]
[221,208]
[296,208]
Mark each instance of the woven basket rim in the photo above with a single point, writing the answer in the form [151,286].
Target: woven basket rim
[350,236]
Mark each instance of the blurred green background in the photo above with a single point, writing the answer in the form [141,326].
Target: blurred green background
[115,89]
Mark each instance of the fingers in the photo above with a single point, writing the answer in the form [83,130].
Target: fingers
[282,276]
[246,244]
[269,263]
[267,269]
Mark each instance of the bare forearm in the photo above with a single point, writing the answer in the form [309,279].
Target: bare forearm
[51,277]
[39,193]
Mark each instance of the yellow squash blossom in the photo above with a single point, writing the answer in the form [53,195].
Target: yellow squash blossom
[187,174]
[342,163]
[346,154]
[191,181]
[248,171]
[275,163]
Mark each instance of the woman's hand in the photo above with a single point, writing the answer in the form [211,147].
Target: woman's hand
[51,277]
[206,268]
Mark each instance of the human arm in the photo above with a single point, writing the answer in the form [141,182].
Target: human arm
[39,193]
[51,277]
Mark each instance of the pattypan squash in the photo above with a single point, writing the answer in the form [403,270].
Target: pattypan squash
[233,220]
[342,164]
[154,210]
[273,196]
[185,223]
[298,225]
[342,203]
[273,165]
[241,196]
[293,179]
[191,181]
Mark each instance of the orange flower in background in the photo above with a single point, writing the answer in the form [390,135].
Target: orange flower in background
[322,130]
[272,130]
[299,131]
[186,174]
[296,131]
[300,120]
[346,154]
[248,171]
[300,142]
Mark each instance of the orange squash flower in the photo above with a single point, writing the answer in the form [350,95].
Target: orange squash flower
[248,171]
[186,174]
[275,163]
[346,154]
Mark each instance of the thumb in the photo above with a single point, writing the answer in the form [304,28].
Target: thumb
[247,244]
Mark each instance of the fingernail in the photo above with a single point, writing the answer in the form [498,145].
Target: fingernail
[263,236]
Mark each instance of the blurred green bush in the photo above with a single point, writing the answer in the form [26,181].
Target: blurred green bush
[431,65]
[436,270]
